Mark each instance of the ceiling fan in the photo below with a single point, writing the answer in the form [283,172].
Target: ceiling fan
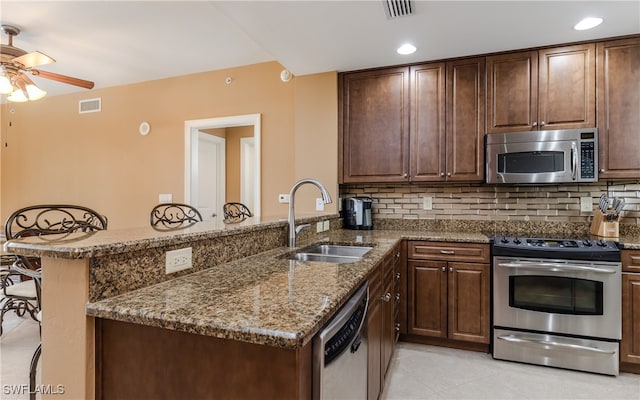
[15,63]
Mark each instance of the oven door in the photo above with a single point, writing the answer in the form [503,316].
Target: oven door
[532,162]
[559,296]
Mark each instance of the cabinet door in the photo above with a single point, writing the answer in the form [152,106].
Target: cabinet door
[388,328]
[630,344]
[465,120]
[566,87]
[428,150]
[512,92]
[427,298]
[375,125]
[468,291]
[374,343]
[618,93]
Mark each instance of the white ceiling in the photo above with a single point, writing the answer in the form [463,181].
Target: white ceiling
[121,42]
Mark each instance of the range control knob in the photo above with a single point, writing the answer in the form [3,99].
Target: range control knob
[504,239]
[517,241]
[602,243]
[587,243]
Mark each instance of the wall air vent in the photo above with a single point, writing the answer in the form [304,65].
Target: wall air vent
[90,105]
[397,8]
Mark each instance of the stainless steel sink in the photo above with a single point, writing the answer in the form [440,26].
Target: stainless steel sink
[338,250]
[331,253]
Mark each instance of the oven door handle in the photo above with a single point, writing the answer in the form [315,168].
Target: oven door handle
[515,339]
[556,267]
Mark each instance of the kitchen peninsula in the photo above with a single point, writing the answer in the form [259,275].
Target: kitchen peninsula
[244,293]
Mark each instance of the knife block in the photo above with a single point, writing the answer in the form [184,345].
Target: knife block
[601,227]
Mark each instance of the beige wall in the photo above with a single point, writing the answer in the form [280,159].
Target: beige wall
[316,147]
[55,155]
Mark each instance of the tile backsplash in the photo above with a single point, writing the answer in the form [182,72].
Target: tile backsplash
[548,203]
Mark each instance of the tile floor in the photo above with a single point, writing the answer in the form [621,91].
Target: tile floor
[416,372]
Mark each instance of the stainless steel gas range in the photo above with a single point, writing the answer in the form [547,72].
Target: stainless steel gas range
[557,302]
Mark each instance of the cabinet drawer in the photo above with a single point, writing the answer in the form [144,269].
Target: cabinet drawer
[449,251]
[630,260]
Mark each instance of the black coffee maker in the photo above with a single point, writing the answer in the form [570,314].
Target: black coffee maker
[356,212]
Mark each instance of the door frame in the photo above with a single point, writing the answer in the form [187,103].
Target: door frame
[191,129]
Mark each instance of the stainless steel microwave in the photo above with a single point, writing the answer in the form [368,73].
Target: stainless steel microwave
[560,156]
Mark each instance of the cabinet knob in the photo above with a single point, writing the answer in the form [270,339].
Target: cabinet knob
[534,124]
[405,174]
[398,255]
[441,173]
[542,123]
[444,269]
[450,269]
[386,298]
[397,276]
[448,173]
[397,297]
[397,327]
[601,170]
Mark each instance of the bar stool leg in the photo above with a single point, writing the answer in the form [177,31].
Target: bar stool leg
[32,372]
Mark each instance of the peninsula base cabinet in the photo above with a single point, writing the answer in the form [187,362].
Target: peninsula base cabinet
[141,362]
[449,294]
[382,320]
[630,344]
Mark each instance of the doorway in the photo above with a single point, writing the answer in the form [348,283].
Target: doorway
[204,181]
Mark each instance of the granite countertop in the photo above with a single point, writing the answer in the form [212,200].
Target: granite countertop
[263,299]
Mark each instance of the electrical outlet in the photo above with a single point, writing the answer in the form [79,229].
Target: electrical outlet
[427,203]
[585,204]
[165,198]
[319,227]
[177,260]
[327,226]
[283,198]
[319,204]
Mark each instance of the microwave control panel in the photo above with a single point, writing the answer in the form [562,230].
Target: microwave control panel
[587,160]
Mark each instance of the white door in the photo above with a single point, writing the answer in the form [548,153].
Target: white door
[210,185]
[247,172]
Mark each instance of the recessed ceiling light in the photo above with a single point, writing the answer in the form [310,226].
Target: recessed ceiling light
[406,49]
[588,23]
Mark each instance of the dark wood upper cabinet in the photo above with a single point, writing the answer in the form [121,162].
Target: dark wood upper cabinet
[465,120]
[512,92]
[420,124]
[547,89]
[618,93]
[428,143]
[374,125]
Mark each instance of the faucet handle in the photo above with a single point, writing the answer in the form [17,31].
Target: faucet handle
[301,227]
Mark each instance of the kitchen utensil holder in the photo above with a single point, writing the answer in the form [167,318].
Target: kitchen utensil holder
[604,225]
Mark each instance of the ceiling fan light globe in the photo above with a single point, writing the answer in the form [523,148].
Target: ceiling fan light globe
[17,96]
[5,85]
[35,93]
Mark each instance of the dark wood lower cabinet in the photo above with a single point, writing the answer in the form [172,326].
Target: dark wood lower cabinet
[448,302]
[630,344]
[141,362]
[381,322]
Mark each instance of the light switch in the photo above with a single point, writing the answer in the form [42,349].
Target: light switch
[165,198]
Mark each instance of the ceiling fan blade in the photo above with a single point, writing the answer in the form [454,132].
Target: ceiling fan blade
[63,78]
[33,59]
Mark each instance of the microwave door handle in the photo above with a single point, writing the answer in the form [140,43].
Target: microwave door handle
[574,160]
[555,267]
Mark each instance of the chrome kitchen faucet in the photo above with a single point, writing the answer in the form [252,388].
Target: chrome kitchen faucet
[326,198]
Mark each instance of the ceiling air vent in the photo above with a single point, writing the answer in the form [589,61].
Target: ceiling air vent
[90,105]
[397,8]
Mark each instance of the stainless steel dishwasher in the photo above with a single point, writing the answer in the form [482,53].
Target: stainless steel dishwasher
[340,352]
